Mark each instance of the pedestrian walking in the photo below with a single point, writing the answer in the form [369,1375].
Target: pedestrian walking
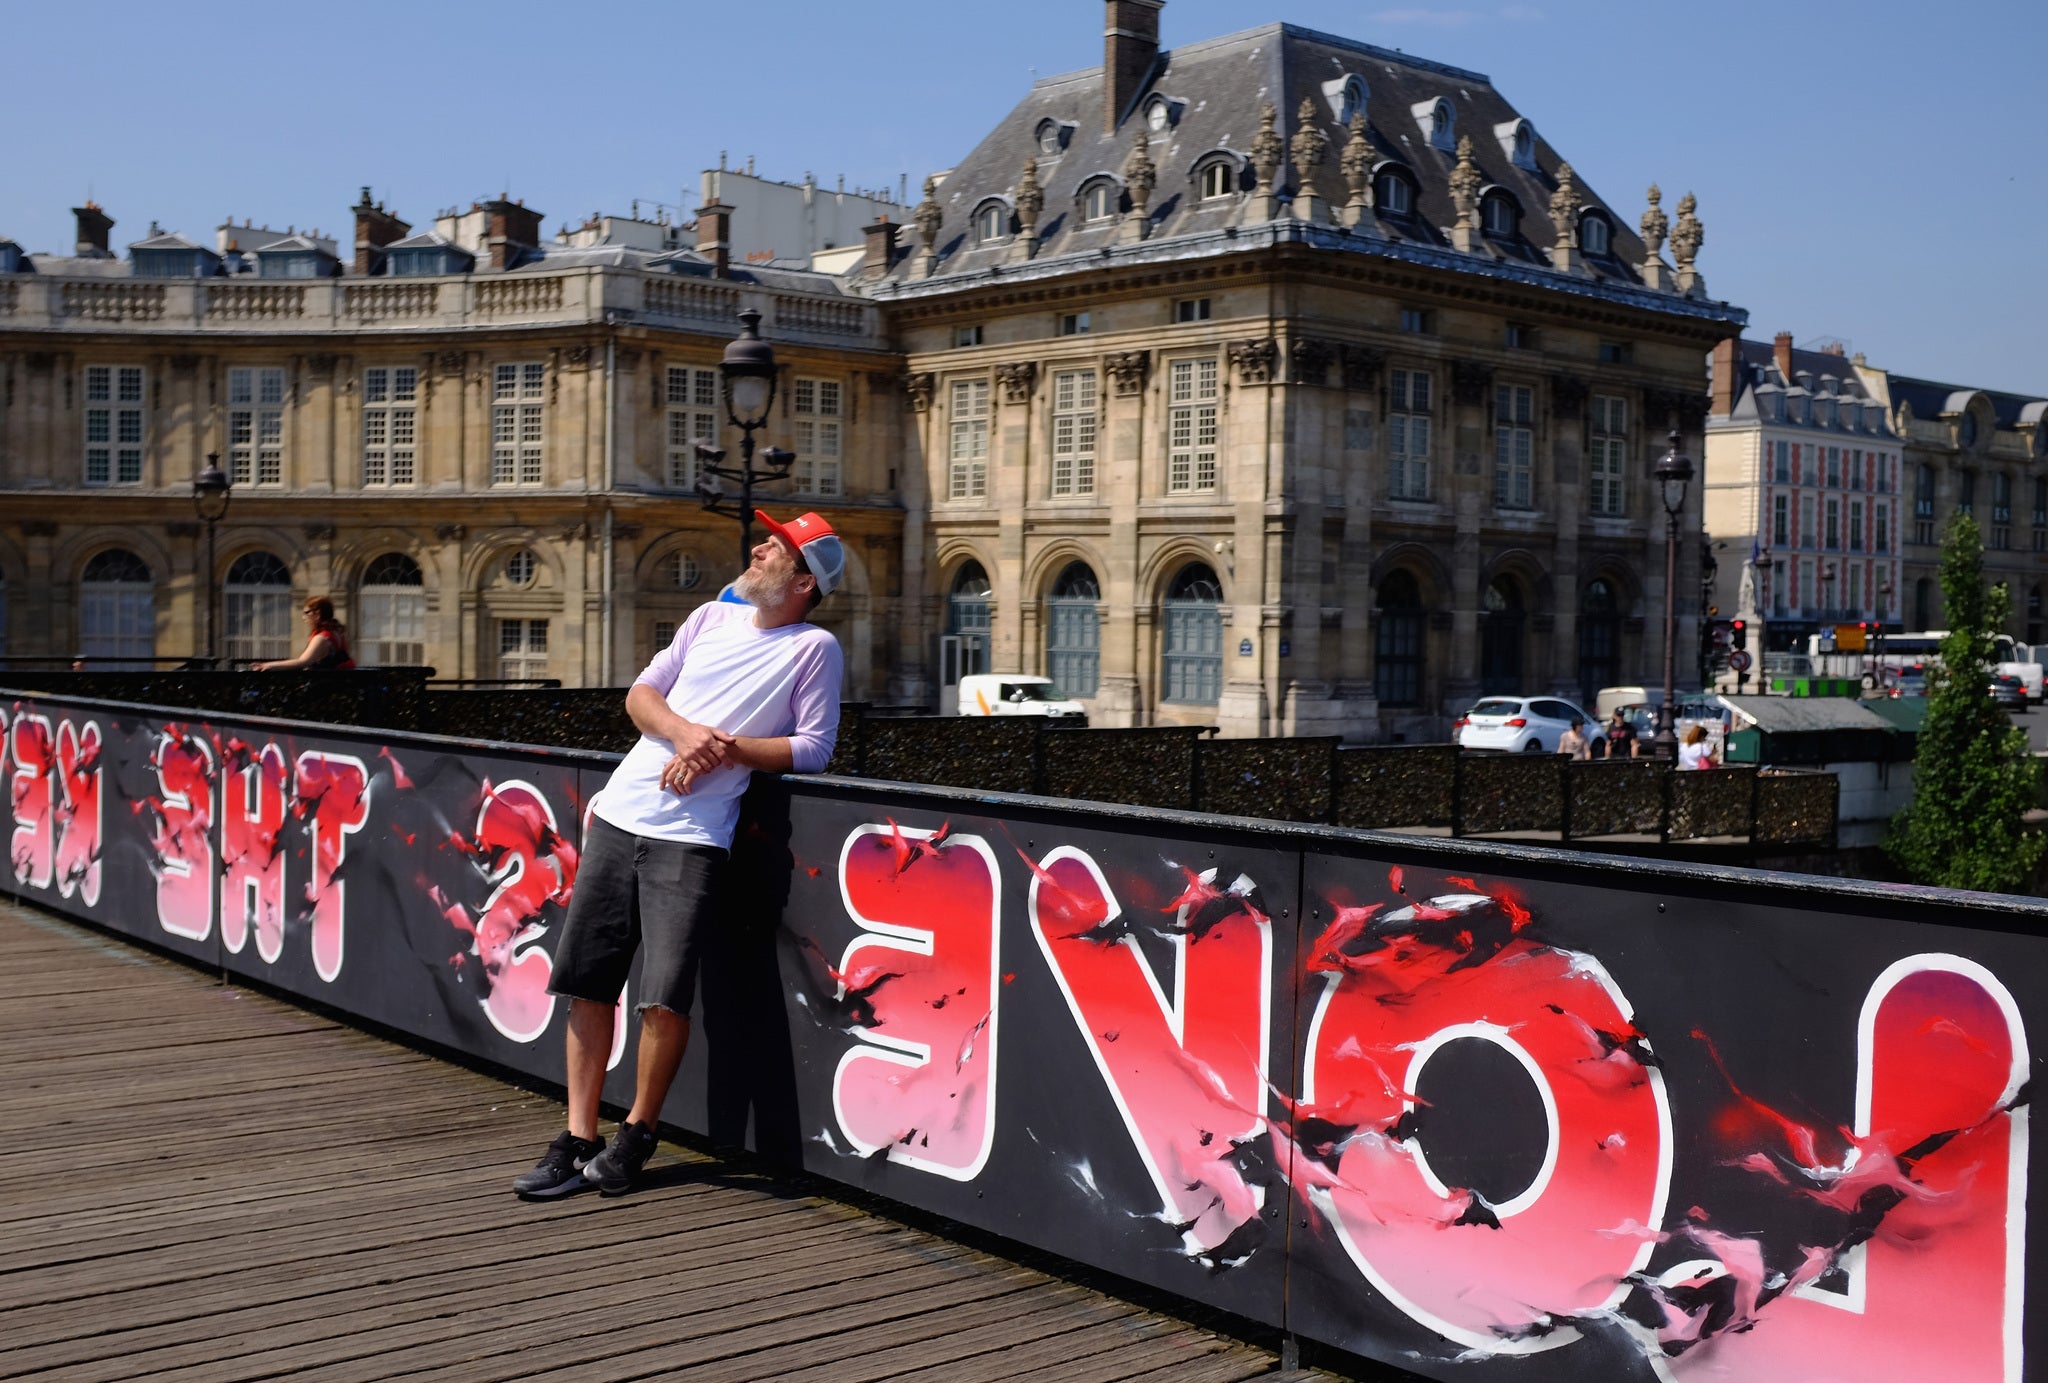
[1573,741]
[743,687]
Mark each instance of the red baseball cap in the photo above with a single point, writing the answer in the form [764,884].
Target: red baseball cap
[816,543]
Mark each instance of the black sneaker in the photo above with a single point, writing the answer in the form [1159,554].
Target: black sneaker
[560,1169]
[616,1168]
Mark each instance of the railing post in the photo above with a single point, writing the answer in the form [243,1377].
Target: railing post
[1666,771]
[1457,794]
[1564,818]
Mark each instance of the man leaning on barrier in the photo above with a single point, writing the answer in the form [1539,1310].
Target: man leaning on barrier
[742,687]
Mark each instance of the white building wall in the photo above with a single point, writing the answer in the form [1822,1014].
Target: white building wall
[793,221]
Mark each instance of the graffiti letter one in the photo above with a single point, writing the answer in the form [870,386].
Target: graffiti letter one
[252,856]
[333,789]
[921,1081]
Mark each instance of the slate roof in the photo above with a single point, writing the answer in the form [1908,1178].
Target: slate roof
[171,240]
[294,244]
[1930,400]
[1760,362]
[1782,715]
[1218,88]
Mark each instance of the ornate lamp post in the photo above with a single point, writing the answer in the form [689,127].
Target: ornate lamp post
[748,372]
[1674,473]
[211,490]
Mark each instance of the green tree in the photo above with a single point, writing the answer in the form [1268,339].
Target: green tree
[1974,777]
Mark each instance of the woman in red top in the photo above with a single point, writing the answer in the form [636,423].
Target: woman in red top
[326,650]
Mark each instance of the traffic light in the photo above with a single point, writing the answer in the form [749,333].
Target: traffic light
[1738,633]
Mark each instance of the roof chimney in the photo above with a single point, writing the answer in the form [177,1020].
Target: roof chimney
[1130,47]
[93,225]
[509,227]
[881,254]
[1723,376]
[1781,348]
[714,236]
[375,228]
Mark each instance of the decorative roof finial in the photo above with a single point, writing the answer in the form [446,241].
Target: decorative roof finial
[1466,181]
[1685,248]
[1266,155]
[1357,162]
[1656,225]
[928,218]
[1564,222]
[1311,149]
[1140,177]
[1030,201]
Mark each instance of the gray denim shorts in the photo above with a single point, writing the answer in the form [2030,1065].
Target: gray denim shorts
[638,893]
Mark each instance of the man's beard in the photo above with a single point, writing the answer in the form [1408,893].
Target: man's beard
[761,590]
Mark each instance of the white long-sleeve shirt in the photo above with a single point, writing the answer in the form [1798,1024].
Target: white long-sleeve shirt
[725,672]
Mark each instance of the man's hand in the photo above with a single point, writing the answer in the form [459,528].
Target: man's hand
[700,748]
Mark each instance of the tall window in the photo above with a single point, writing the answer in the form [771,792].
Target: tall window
[1855,525]
[968,617]
[1781,589]
[1514,446]
[1392,196]
[1397,668]
[2040,516]
[1882,513]
[517,392]
[819,404]
[1783,469]
[1807,530]
[392,609]
[1854,597]
[1834,467]
[1923,603]
[692,418]
[2001,510]
[1216,179]
[1599,639]
[1781,520]
[390,425]
[1609,447]
[1966,492]
[1923,506]
[1191,426]
[1192,662]
[117,607]
[1408,434]
[1073,433]
[113,425]
[256,426]
[256,609]
[1098,203]
[1833,538]
[968,478]
[1500,638]
[1073,635]
[523,648]
[2034,615]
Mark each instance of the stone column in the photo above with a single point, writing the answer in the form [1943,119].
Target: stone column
[913,682]
[1471,413]
[1010,486]
[1362,369]
[1121,461]
[1568,505]
[1253,431]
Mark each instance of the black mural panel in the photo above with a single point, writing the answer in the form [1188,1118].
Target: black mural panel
[1575,1124]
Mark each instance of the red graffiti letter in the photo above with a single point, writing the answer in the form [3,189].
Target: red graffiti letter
[184,835]
[537,866]
[1585,1222]
[921,1082]
[34,841]
[78,816]
[1939,1290]
[1185,1061]
[335,789]
[252,860]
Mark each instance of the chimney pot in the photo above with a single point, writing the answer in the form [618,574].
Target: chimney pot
[93,226]
[1781,351]
[714,236]
[1130,47]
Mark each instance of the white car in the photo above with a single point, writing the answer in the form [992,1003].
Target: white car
[1520,724]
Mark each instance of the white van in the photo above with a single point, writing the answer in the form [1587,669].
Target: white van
[1017,694]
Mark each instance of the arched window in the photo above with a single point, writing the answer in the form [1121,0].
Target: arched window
[1443,128]
[1158,115]
[1098,201]
[1500,217]
[1392,195]
[678,571]
[392,613]
[521,567]
[117,607]
[1500,639]
[1217,178]
[1048,136]
[968,617]
[992,223]
[1192,664]
[1353,102]
[1073,635]
[1596,237]
[2033,616]
[256,609]
[1397,670]
[1525,145]
[1599,639]
[1966,431]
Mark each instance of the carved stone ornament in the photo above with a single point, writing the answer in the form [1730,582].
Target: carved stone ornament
[928,218]
[1267,151]
[1686,240]
[1568,396]
[1140,177]
[1255,359]
[1308,360]
[450,532]
[881,381]
[1357,162]
[322,364]
[1030,201]
[1564,207]
[451,362]
[1466,180]
[579,356]
[1310,151]
[1018,378]
[921,386]
[1128,371]
[184,365]
[1471,381]
[1656,225]
[1362,366]
[319,532]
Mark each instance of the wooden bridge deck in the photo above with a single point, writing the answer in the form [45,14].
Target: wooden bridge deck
[205,1183]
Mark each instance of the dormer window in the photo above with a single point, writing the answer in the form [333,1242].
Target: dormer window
[1215,179]
[1346,96]
[1050,137]
[1966,431]
[1596,236]
[1518,141]
[1098,201]
[1439,123]
[1392,194]
[1499,216]
[992,223]
[1158,114]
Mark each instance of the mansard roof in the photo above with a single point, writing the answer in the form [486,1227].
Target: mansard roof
[1215,93]
[170,240]
[1930,399]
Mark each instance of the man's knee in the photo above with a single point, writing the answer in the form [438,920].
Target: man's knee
[661,1018]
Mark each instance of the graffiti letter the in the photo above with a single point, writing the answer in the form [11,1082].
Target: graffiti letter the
[252,858]
[333,789]
[921,1082]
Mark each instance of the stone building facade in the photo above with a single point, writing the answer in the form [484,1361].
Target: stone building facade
[1293,385]
[481,446]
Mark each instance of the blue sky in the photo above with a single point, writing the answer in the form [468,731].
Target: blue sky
[1868,172]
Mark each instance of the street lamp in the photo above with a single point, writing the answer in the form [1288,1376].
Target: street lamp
[1674,473]
[211,490]
[748,372]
